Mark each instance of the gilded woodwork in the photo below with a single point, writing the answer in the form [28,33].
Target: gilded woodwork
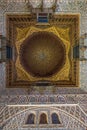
[66,27]
[63,74]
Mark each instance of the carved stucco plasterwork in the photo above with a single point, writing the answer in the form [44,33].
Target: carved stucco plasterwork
[14,117]
[2,76]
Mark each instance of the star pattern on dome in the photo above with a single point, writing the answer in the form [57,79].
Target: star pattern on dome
[63,34]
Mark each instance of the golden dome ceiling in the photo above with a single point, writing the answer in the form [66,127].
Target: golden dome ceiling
[42,54]
[35,45]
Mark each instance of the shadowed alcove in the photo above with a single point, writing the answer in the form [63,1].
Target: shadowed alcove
[43,119]
[30,119]
[55,118]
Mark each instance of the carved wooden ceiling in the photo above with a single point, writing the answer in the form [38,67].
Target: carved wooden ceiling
[40,54]
[22,27]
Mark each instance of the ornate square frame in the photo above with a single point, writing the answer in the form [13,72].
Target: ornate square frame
[14,21]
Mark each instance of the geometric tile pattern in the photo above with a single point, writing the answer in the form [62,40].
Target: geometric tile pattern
[80,99]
